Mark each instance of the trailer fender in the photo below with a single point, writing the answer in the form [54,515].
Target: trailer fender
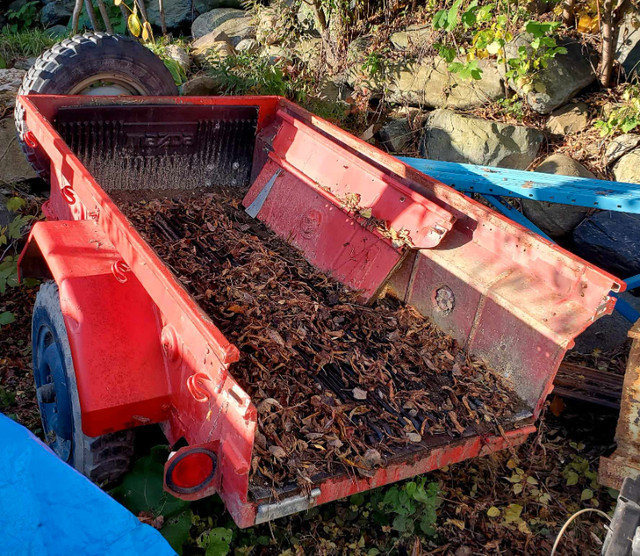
[112,324]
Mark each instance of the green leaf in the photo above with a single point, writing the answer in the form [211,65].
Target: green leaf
[539,28]
[142,490]
[493,511]
[440,19]
[452,16]
[176,530]
[7,318]
[587,494]
[403,524]
[512,513]
[15,204]
[217,541]
[572,478]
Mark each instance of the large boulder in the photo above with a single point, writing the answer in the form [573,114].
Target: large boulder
[610,240]
[203,85]
[571,118]
[554,219]
[178,55]
[628,47]
[10,81]
[619,146]
[55,13]
[213,21]
[417,36]
[627,169]
[457,138]
[13,164]
[211,47]
[430,84]
[204,6]
[396,135]
[564,76]
[177,14]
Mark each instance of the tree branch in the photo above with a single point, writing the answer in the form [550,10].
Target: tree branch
[91,14]
[75,18]
[105,16]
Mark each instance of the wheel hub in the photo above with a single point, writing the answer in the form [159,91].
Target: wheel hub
[52,393]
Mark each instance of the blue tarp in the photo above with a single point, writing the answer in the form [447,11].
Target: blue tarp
[48,508]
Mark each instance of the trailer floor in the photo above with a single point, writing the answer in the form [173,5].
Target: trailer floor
[339,387]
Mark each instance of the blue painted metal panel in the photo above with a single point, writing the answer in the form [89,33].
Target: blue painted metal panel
[568,190]
[633,282]
[48,508]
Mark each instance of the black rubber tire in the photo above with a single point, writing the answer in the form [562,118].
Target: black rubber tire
[103,459]
[59,70]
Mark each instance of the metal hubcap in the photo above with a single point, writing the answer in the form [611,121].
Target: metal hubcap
[106,85]
[52,393]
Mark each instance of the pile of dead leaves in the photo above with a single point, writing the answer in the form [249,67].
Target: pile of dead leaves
[338,386]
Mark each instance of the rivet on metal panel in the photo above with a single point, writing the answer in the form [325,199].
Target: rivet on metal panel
[170,344]
[30,139]
[68,195]
[197,388]
[119,268]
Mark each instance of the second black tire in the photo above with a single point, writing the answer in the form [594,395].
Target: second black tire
[71,66]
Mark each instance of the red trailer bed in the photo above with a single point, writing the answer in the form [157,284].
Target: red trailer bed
[145,352]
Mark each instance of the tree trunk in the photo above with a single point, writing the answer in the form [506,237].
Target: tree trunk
[569,12]
[163,22]
[612,14]
[75,18]
[91,15]
[105,16]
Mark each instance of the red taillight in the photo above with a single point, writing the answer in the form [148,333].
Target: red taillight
[191,470]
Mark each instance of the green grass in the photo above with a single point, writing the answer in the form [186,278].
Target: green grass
[23,44]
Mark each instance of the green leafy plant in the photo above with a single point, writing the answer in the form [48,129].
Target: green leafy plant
[23,44]
[259,75]
[22,18]
[413,505]
[373,64]
[624,118]
[10,236]
[531,59]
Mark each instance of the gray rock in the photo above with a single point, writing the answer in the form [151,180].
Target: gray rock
[429,83]
[628,47]
[204,6]
[213,20]
[214,46]
[554,219]
[5,214]
[610,240]
[24,64]
[396,135]
[13,164]
[202,85]
[627,169]
[414,35]
[334,89]
[619,146]
[10,81]
[248,45]
[571,118]
[56,13]
[608,332]
[565,75]
[58,31]
[177,14]
[457,138]
[276,53]
[179,55]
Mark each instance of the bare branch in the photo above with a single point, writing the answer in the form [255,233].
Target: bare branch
[569,12]
[91,14]
[75,18]
[163,22]
[105,16]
